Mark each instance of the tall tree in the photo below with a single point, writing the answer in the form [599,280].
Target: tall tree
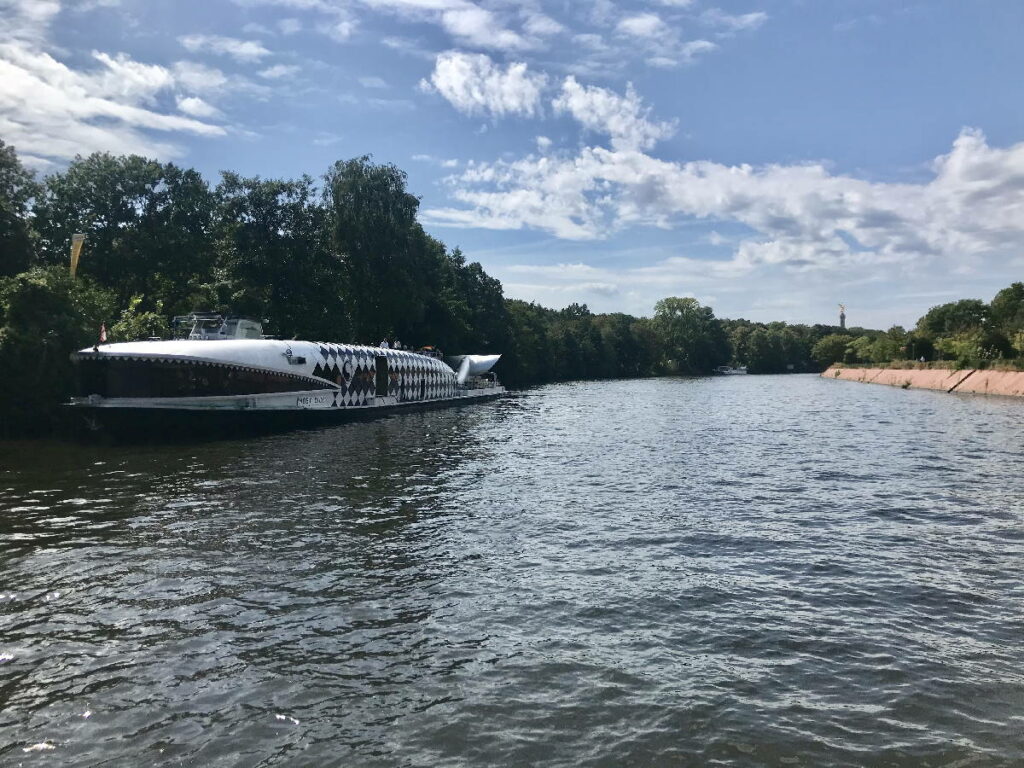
[274,243]
[148,226]
[954,317]
[830,349]
[44,316]
[382,247]
[694,339]
[18,188]
[1007,309]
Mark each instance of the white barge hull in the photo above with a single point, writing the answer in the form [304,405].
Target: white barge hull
[261,377]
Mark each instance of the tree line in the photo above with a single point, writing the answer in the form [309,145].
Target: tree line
[968,333]
[337,258]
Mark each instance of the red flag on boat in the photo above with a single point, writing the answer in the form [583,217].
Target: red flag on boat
[103,333]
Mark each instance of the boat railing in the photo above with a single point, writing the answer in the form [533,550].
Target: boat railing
[212,326]
[483,381]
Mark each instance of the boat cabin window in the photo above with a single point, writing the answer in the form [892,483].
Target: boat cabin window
[212,326]
[249,329]
[382,376]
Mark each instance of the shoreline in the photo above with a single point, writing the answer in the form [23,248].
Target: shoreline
[974,381]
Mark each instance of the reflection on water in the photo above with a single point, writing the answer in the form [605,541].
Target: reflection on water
[740,571]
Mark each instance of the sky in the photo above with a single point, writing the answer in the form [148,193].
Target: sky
[772,158]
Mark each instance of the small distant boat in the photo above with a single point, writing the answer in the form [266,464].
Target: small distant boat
[728,370]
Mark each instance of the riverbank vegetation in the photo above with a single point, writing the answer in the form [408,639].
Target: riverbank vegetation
[968,333]
[340,258]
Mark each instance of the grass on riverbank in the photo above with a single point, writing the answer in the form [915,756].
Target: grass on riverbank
[1014,365]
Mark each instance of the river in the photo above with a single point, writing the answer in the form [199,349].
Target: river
[738,571]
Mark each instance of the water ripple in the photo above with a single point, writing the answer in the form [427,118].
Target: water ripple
[744,571]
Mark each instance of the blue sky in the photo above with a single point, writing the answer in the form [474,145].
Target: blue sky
[772,158]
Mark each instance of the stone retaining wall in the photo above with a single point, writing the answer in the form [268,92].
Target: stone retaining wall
[969,380]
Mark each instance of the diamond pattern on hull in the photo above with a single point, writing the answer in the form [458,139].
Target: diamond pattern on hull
[412,377]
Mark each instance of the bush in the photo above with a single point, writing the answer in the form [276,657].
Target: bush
[44,316]
[830,349]
[134,325]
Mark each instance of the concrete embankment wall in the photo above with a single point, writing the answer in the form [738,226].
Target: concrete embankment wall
[969,380]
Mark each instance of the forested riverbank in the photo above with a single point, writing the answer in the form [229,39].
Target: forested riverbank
[342,258]
[339,258]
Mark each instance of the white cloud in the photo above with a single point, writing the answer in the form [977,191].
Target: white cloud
[590,40]
[542,25]
[968,219]
[51,111]
[635,289]
[478,26]
[690,50]
[125,79]
[27,20]
[467,22]
[643,25]
[442,162]
[325,6]
[733,23]
[397,105]
[618,288]
[373,82]
[659,43]
[336,20]
[326,139]
[280,71]
[199,78]
[240,50]
[623,118]
[475,85]
[252,28]
[196,107]
[338,30]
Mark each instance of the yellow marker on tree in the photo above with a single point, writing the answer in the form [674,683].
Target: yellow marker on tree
[76,251]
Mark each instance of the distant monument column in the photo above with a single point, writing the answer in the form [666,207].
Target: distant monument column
[842,316]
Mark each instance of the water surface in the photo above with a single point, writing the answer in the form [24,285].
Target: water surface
[740,571]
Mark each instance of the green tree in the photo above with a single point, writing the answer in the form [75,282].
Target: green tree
[1007,309]
[954,317]
[18,188]
[529,358]
[134,325]
[859,350]
[830,349]
[763,351]
[276,258]
[148,226]
[44,316]
[693,339]
[973,348]
[382,247]
[484,300]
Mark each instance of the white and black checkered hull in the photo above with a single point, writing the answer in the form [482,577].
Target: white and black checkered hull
[260,381]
